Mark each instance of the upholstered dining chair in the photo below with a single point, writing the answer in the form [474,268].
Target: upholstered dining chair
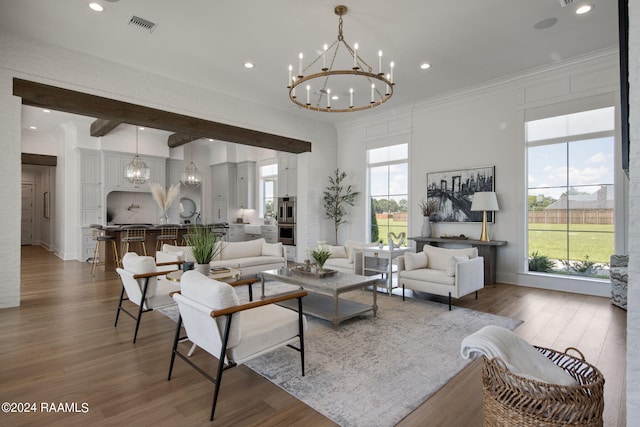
[235,333]
[168,233]
[145,286]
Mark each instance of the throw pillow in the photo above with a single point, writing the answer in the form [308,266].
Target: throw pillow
[337,251]
[272,249]
[413,261]
[451,267]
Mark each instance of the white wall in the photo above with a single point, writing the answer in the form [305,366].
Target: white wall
[633,303]
[51,65]
[480,127]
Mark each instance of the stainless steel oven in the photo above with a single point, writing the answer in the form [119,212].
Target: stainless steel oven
[287,234]
[286,210]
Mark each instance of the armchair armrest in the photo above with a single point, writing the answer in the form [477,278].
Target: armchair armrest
[259,303]
[152,274]
[400,261]
[470,275]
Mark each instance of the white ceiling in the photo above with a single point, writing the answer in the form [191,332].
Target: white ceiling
[206,42]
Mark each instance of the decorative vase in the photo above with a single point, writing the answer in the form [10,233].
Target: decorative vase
[164,218]
[202,269]
[426,227]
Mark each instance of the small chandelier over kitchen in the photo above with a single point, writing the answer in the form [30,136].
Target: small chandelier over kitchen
[137,172]
[343,83]
[191,176]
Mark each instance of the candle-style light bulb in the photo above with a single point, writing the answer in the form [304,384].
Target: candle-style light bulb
[351,98]
[308,94]
[300,64]
[324,57]
[388,77]
[391,74]
[373,88]
[355,56]
[380,62]
[290,71]
[328,98]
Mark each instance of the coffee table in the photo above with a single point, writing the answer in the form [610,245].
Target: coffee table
[323,299]
[231,273]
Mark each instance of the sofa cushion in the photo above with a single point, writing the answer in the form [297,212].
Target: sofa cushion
[183,252]
[438,258]
[351,245]
[233,250]
[228,263]
[413,261]
[272,249]
[429,275]
[337,251]
[453,261]
[342,263]
[257,260]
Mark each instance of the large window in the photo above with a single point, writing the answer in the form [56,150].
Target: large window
[388,190]
[268,190]
[571,193]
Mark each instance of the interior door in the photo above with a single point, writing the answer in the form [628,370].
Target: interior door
[26,235]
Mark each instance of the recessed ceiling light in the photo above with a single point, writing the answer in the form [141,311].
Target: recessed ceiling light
[425,66]
[46,111]
[140,127]
[335,97]
[33,127]
[586,8]
[545,23]
[249,65]
[210,139]
[96,6]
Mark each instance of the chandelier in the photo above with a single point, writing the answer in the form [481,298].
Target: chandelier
[191,176]
[340,84]
[137,172]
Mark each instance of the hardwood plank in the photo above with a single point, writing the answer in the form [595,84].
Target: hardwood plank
[60,345]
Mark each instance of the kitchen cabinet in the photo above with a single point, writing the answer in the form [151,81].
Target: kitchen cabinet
[270,233]
[287,175]
[90,187]
[236,233]
[224,190]
[246,184]
[114,179]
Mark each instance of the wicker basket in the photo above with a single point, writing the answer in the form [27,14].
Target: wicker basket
[511,400]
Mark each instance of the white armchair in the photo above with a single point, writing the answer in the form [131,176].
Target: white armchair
[145,285]
[441,271]
[215,321]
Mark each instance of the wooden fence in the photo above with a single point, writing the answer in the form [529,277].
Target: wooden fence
[572,216]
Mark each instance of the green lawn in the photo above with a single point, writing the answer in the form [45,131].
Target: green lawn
[594,240]
[395,227]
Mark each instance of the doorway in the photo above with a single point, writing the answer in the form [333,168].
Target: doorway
[28,199]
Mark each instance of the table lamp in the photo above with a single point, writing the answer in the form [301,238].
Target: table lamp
[484,201]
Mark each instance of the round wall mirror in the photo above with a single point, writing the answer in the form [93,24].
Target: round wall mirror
[188,206]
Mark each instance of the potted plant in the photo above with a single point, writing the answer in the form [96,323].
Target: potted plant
[320,254]
[336,196]
[203,247]
[428,208]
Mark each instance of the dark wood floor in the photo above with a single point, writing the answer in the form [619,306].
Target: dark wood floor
[60,346]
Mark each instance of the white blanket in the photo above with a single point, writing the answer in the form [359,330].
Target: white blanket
[520,357]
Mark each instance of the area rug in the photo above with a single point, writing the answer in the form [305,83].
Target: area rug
[375,371]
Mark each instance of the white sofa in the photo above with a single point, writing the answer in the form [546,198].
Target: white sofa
[347,258]
[442,271]
[250,257]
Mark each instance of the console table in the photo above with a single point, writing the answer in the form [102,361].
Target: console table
[487,250]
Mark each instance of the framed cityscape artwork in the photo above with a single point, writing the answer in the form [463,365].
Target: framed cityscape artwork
[453,192]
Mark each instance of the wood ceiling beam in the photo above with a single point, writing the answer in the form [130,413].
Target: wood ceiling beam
[101,127]
[177,139]
[45,96]
[39,159]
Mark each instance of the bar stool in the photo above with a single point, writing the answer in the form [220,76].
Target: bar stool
[99,236]
[168,233]
[134,234]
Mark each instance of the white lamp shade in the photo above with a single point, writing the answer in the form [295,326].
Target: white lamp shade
[484,201]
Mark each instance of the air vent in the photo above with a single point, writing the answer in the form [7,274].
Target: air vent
[565,3]
[142,23]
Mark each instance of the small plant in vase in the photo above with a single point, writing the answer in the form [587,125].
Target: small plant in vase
[164,198]
[428,208]
[320,254]
[203,247]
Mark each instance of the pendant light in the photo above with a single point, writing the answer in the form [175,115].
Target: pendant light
[191,176]
[137,172]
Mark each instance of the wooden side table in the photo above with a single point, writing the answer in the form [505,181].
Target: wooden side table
[487,250]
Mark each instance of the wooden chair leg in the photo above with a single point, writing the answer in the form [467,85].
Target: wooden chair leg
[94,261]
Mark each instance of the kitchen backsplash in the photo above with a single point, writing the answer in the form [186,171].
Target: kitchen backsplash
[132,208]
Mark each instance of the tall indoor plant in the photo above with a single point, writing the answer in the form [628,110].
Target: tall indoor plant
[203,246]
[336,197]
